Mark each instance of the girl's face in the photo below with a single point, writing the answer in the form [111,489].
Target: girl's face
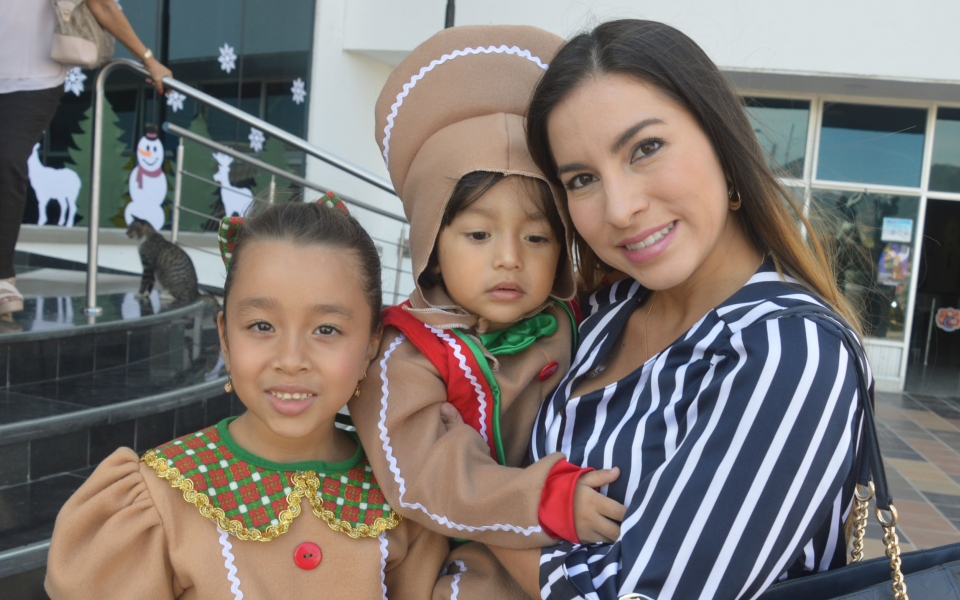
[296,338]
[644,186]
[498,258]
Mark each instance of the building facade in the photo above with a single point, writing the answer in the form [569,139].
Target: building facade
[857,104]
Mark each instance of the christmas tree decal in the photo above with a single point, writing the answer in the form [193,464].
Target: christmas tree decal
[112,183]
[274,154]
[195,194]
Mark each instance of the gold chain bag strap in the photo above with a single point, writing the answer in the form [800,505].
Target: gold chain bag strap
[78,38]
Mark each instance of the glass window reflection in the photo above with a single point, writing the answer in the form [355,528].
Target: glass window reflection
[872,144]
[945,169]
[781,128]
[874,237]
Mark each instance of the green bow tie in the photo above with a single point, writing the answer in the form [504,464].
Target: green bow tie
[519,336]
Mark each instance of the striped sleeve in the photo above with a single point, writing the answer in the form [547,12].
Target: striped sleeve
[753,488]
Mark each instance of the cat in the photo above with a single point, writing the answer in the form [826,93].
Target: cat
[165,260]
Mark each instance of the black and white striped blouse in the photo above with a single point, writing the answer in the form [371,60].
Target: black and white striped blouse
[736,448]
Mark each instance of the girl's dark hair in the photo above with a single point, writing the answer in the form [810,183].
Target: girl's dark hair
[676,66]
[308,224]
[469,189]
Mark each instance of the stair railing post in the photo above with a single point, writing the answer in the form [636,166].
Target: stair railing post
[273,188]
[177,187]
[93,227]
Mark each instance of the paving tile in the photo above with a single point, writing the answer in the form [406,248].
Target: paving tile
[923,538]
[928,420]
[941,500]
[909,429]
[911,519]
[915,507]
[900,487]
[938,487]
[933,448]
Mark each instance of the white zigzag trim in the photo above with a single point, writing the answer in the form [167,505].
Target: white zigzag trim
[481,397]
[434,63]
[383,563]
[455,586]
[392,460]
[228,563]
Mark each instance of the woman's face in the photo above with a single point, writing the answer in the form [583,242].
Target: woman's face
[645,188]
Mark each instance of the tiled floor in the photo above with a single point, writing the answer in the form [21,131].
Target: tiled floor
[920,442]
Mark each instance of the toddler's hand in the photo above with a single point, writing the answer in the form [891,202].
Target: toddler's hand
[597,517]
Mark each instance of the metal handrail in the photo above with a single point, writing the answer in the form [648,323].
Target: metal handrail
[263,166]
[96,158]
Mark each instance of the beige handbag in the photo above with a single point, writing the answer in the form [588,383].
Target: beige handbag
[78,39]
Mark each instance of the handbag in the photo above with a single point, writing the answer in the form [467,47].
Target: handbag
[78,38]
[929,574]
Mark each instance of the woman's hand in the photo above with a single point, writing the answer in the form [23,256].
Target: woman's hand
[597,517]
[111,18]
[157,72]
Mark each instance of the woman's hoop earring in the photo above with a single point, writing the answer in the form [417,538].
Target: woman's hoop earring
[228,386]
[734,205]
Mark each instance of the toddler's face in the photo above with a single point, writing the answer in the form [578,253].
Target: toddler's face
[297,334]
[498,258]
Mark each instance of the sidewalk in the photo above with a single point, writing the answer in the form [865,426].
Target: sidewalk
[920,441]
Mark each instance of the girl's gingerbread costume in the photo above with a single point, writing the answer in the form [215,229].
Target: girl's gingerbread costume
[157,526]
[456,105]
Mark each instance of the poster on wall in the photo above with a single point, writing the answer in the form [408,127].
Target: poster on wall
[894,265]
[897,230]
[948,319]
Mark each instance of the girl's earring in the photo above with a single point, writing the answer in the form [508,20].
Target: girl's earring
[228,386]
[356,392]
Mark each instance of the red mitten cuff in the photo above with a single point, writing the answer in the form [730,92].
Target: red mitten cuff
[555,512]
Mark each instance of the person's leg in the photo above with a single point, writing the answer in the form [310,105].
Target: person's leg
[23,117]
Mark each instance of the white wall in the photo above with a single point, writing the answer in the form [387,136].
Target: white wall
[879,48]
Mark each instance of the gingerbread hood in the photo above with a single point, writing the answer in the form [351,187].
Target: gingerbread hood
[456,105]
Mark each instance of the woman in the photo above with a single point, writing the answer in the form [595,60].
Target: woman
[31,85]
[734,429]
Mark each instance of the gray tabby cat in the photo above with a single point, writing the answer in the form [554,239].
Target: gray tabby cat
[171,265]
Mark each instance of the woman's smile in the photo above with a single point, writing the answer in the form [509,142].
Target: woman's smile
[649,244]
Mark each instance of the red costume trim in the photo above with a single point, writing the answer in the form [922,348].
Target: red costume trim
[555,511]
[461,392]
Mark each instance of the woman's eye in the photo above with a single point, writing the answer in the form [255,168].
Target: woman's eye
[478,236]
[262,326]
[327,330]
[646,148]
[578,181]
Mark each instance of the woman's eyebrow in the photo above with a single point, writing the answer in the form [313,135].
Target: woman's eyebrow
[627,135]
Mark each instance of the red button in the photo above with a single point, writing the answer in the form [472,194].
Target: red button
[548,371]
[307,556]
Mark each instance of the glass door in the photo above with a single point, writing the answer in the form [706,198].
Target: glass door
[934,361]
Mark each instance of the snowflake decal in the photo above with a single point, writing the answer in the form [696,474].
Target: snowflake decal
[299,91]
[228,58]
[74,81]
[257,139]
[175,100]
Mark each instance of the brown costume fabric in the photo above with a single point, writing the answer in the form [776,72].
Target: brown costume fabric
[472,572]
[127,534]
[450,110]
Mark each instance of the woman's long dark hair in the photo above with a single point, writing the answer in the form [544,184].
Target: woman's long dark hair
[673,63]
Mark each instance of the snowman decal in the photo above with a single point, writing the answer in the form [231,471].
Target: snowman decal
[148,182]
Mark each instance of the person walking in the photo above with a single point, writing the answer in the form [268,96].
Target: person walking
[31,87]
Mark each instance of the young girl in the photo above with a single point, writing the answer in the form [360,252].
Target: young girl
[487,329]
[299,326]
